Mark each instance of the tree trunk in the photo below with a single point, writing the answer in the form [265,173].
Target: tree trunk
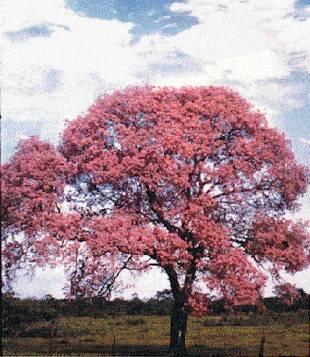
[178,325]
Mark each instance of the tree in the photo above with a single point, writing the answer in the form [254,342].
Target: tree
[164,295]
[18,314]
[287,293]
[191,180]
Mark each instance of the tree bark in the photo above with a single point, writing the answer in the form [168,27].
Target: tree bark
[179,313]
[178,326]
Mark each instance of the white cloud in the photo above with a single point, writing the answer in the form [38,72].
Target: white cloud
[52,281]
[300,280]
[180,7]
[20,14]
[147,284]
[92,56]
[42,282]
[304,212]
[22,137]
[249,45]
[305,141]
[162,18]
[244,46]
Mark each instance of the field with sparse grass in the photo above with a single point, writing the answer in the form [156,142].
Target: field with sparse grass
[237,335]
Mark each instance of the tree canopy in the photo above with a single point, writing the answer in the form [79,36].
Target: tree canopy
[192,180]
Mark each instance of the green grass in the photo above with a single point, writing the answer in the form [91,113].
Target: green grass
[149,335]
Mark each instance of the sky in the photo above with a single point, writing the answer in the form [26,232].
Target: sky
[59,55]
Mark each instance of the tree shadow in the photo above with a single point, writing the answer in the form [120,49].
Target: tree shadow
[125,350]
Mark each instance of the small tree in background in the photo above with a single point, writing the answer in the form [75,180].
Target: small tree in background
[164,295]
[287,293]
[190,180]
[18,314]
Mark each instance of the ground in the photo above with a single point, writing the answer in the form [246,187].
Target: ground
[237,335]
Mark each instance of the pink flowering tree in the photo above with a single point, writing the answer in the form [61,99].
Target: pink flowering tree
[190,180]
[287,293]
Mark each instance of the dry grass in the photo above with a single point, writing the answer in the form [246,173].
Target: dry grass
[149,335]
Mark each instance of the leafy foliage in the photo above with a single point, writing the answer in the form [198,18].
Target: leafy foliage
[18,314]
[191,180]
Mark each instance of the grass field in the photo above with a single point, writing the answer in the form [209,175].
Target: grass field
[240,335]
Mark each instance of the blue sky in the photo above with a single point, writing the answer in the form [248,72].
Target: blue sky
[147,16]
[59,55]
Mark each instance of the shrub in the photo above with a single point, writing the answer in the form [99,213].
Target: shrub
[135,322]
